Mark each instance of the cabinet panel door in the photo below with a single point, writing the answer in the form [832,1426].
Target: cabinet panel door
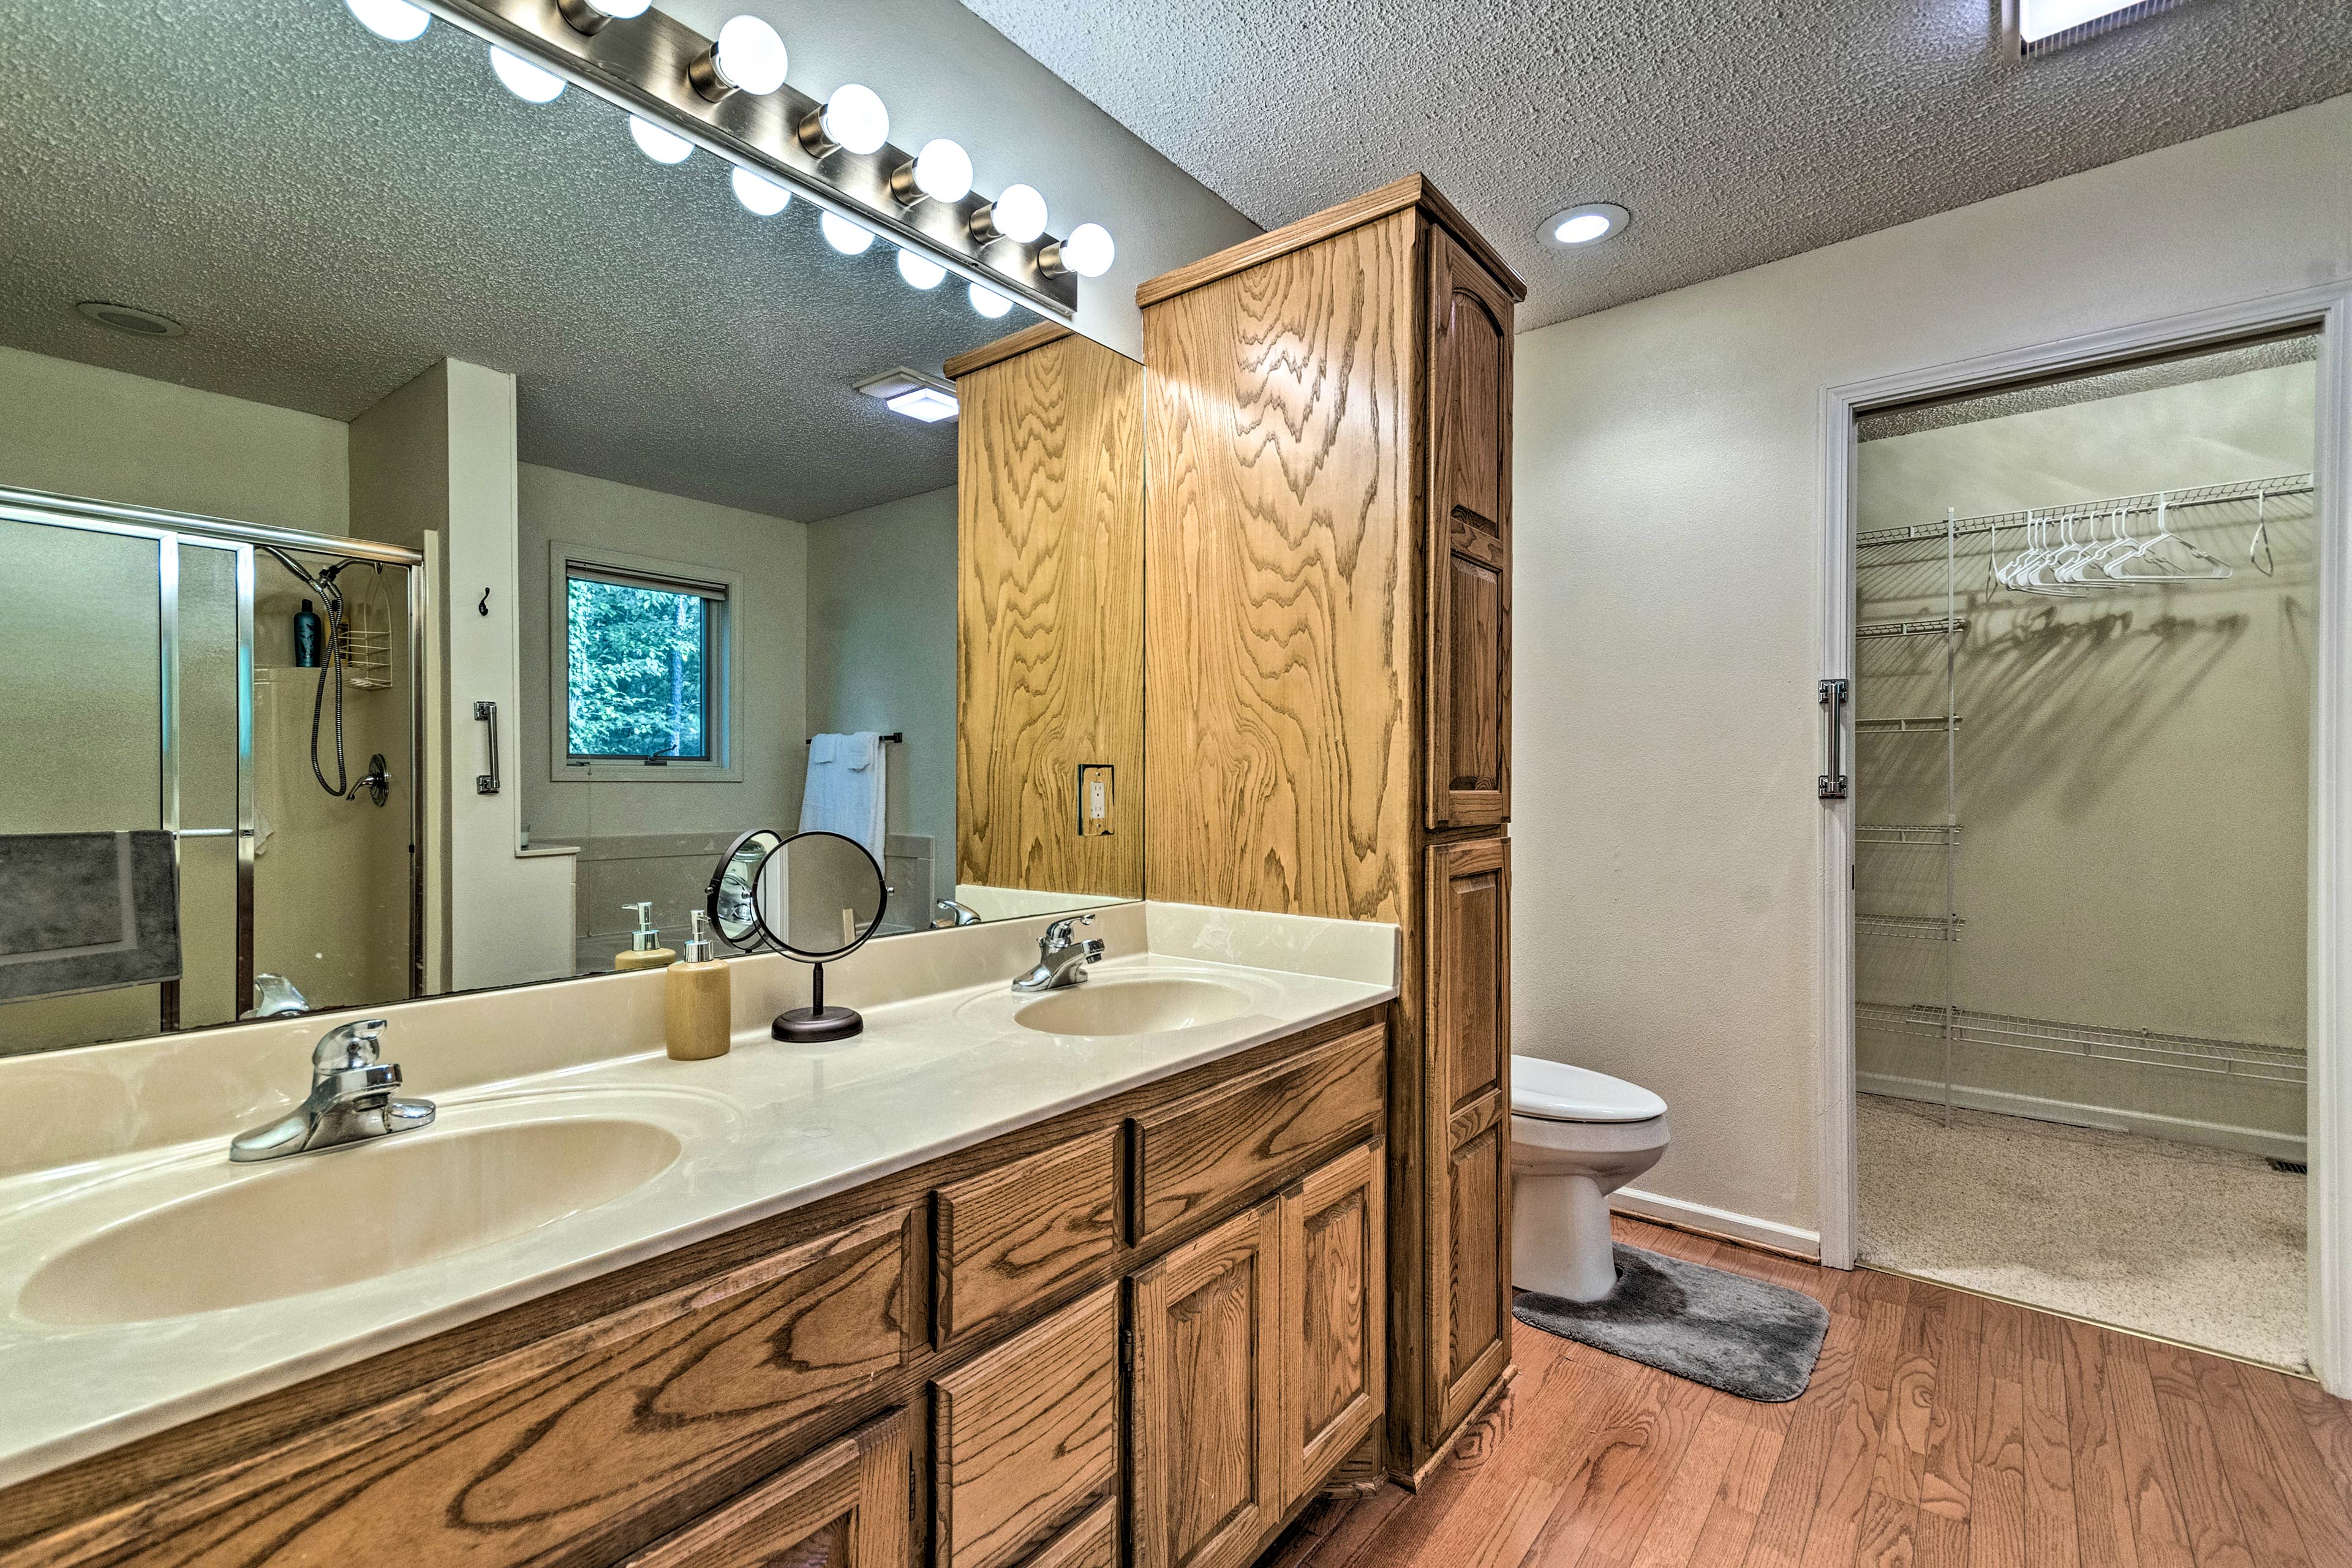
[1204,1449]
[1468,547]
[1334,1330]
[1468,1127]
[1026,1437]
[1010,1236]
[845,1506]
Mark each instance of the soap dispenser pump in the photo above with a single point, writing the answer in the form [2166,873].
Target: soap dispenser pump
[698,1008]
[643,953]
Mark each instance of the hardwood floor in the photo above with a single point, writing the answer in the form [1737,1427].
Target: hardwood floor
[1941,1430]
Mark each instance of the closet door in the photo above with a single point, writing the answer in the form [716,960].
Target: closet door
[1468,547]
[1467,1002]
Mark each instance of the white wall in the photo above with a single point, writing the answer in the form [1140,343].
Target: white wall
[1667,551]
[945,72]
[80,430]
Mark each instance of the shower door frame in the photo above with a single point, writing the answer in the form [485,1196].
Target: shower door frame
[2327,310]
[168,531]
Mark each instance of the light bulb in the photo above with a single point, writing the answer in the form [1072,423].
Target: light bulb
[622,10]
[941,171]
[988,302]
[1088,252]
[854,118]
[920,271]
[850,238]
[396,20]
[748,55]
[758,193]
[1586,223]
[661,145]
[1582,229]
[532,84]
[588,18]
[1019,215]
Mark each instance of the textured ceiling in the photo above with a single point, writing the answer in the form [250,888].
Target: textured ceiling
[1737,132]
[329,214]
[2301,348]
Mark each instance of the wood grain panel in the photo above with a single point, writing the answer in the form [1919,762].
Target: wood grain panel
[1091,1542]
[1335,1328]
[1197,1154]
[1205,1472]
[1049,617]
[551,1450]
[844,1507]
[1467,938]
[1026,1435]
[1010,1236]
[1281,626]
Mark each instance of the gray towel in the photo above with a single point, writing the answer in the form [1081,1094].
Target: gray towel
[86,911]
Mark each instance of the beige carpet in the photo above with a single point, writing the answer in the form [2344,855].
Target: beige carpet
[2198,1245]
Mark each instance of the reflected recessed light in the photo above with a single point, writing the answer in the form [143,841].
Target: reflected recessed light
[1584,225]
[394,19]
[758,193]
[532,84]
[661,145]
[916,395]
[920,271]
[131,318]
[988,302]
[850,238]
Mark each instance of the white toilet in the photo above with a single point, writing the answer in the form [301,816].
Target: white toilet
[1576,1137]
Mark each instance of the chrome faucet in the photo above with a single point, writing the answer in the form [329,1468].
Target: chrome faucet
[952,913]
[1061,962]
[351,1100]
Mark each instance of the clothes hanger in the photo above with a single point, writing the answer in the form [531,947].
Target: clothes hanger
[2266,562]
[2164,535]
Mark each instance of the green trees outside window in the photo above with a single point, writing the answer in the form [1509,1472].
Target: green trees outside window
[640,663]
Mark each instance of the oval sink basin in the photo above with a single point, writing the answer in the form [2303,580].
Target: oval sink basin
[315,1221]
[1133,1008]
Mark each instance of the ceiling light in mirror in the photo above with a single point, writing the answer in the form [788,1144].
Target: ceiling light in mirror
[532,84]
[1586,223]
[748,56]
[396,20]
[1088,252]
[920,271]
[661,145]
[928,404]
[588,18]
[758,193]
[940,172]
[988,302]
[845,237]
[853,118]
[1019,215]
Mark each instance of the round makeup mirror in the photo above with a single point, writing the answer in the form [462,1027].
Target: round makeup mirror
[734,912]
[816,897]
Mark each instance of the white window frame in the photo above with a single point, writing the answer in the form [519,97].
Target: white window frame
[725,717]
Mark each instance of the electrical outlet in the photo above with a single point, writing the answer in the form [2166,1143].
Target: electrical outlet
[1095,799]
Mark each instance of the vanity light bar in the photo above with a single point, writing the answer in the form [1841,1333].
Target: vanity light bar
[655,67]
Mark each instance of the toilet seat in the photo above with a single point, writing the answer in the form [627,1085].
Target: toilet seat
[1555,1092]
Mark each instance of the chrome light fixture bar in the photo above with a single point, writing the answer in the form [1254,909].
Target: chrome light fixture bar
[649,66]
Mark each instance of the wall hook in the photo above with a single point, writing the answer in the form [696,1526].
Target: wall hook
[484,607]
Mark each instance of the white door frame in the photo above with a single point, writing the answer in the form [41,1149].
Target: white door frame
[2329,1131]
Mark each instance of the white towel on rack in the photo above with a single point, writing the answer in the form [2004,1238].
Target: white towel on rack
[848,788]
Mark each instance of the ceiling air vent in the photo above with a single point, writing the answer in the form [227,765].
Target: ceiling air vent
[2034,27]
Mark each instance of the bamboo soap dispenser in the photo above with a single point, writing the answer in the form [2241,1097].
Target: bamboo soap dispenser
[644,951]
[696,1007]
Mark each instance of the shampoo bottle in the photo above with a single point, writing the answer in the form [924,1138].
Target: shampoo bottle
[697,1008]
[643,953]
[308,636]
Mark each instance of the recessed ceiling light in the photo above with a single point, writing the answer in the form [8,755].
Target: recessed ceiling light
[2039,26]
[131,318]
[1586,223]
[912,394]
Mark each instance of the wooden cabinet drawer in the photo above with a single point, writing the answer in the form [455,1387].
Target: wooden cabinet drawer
[1026,1437]
[1198,1153]
[842,1507]
[1006,1237]
[1091,1542]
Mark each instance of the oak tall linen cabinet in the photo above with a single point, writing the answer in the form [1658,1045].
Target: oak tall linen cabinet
[1328,675]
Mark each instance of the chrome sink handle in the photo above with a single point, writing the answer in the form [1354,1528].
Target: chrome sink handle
[349,1100]
[1058,935]
[1061,962]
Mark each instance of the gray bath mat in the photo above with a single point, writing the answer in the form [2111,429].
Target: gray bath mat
[1739,1335]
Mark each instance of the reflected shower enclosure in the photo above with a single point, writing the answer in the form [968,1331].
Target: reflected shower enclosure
[251,693]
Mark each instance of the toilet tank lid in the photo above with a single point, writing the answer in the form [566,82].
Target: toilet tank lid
[1555,1092]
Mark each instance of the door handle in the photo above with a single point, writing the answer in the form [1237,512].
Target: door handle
[487,783]
[1833,700]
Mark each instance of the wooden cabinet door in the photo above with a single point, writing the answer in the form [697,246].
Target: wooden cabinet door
[1334,1306]
[845,1506]
[1468,1122]
[1468,548]
[1205,1467]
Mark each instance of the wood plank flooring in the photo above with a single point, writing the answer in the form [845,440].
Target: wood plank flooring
[1942,1430]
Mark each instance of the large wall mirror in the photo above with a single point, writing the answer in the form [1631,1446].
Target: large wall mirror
[434,529]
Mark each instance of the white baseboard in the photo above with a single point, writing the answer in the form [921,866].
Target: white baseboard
[1719,1222]
[2181,1128]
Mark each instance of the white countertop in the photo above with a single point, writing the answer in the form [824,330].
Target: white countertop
[763,1130]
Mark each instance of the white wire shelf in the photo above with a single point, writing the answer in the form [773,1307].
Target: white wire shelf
[2127,506]
[1912,927]
[1934,833]
[1925,724]
[1933,628]
[2142,1047]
